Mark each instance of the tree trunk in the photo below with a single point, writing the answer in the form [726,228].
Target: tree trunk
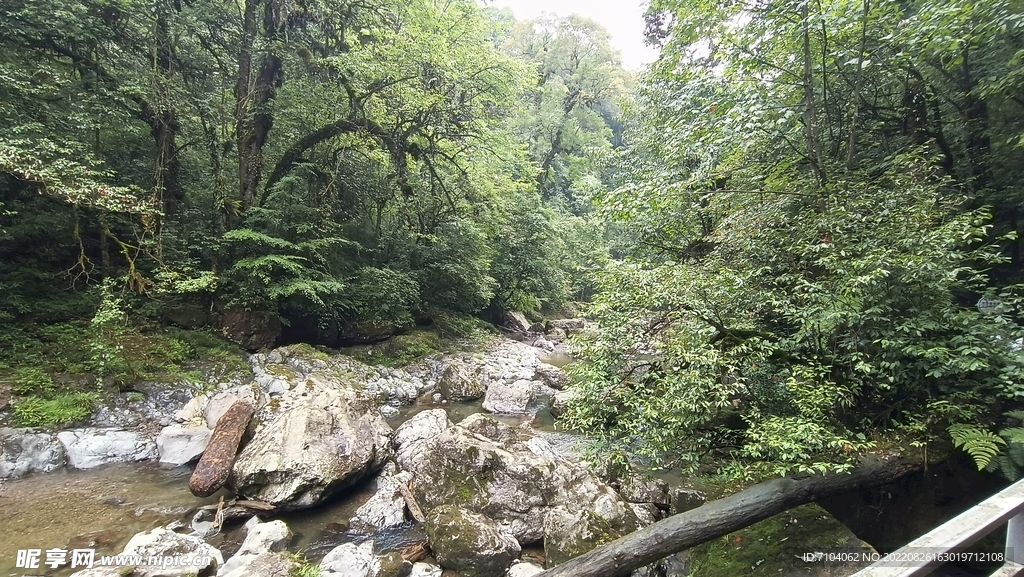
[858,81]
[811,129]
[253,97]
[724,516]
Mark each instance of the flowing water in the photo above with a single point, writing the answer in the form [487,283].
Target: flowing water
[102,508]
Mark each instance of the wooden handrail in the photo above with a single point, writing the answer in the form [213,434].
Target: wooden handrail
[926,553]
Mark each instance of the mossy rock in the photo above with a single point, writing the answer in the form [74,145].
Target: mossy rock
[472,544]
[777,545]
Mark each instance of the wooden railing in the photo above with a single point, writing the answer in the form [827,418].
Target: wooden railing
[948,541]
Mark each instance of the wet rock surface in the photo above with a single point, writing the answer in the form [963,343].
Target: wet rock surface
[92,447]
[24,451]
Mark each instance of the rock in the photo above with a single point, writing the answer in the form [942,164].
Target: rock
[198,556]
[471,544]
[412,438]
[90,447]
[684,499]
[542,343]
[425,570]
[537,328]
[551,376]
[178,445]
[637,489]
[24,451]
[193,410]
[351,560]
[516,321]
[253,330]
[646,513]
[488,427]
[513,482]
[321,436]
[569,534]
[264,565]
[556,335]
[261,538]
[560,401]
[460,383]
[219,404]
[214,467]
[570,326]
[386,508]
[524,569]
[508,399]
[676,565]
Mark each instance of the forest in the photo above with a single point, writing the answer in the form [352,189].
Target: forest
[797,231]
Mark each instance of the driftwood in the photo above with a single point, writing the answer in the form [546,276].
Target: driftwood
[723,516]
[410,502]
[215,465]
[238,509]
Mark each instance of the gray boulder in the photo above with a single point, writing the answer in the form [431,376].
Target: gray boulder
[551,376]
[639,489]
[524,569]
[178,445]
[570,533]
[261,538]
[422,569]
[414,437]
[560,401]
[90,447]
[265,565]
[513,482]
[192,556]
[386,508]
[509,398]
[320,436]
[24,451]
[460,382]
[351,560]
[219,404]
[471,544]
[570,326]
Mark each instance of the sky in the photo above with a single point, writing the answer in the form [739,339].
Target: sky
[623,19]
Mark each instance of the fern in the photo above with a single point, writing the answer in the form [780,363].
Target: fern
[982,445]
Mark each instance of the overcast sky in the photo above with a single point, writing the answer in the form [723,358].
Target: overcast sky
[623,19]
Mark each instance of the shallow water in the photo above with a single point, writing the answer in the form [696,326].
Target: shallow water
[103,508]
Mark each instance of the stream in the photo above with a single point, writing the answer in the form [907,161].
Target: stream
[103,507]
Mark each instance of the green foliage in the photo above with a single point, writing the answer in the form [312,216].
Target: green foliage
[801,281]
[32,380]
[980,444]
[60,409]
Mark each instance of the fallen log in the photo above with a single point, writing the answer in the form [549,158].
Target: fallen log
[214,466]
[732,513]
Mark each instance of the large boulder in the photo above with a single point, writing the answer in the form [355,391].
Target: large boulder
[178,445]
[24,451]
[512,481]
[191,556]
[571,533]
[469,543]
[386,508]
[318,437]
[262,538]
[551,376]
[460,382]
[352,560]
[570,326]
[509,398]
[92,447]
